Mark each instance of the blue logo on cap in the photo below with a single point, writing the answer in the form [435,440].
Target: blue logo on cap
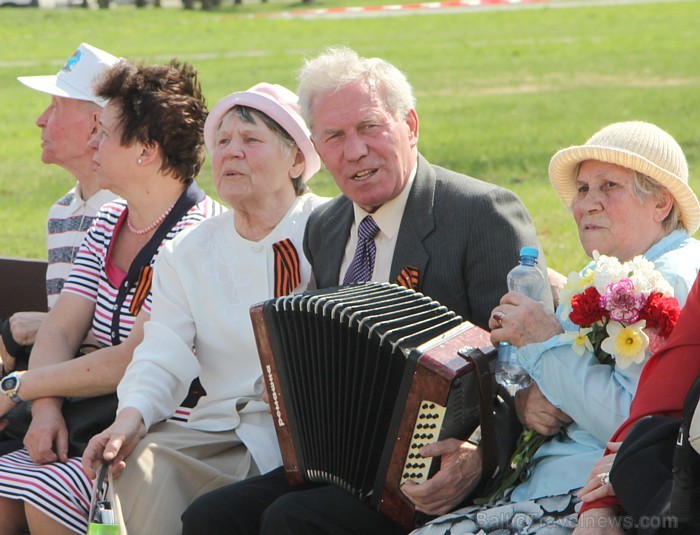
[72,61]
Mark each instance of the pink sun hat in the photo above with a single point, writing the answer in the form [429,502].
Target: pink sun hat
[278,103]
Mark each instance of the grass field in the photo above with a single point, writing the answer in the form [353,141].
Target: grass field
[498,91]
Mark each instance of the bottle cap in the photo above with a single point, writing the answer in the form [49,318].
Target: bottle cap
[529,251]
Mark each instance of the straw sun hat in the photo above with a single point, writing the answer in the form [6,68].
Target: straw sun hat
[636,145]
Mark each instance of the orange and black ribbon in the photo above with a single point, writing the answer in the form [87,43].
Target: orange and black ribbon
[408,278]
[143,286]
[287,267]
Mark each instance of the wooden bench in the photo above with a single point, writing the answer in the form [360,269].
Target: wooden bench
[22,285]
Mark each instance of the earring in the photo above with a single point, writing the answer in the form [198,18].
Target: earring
[139,161]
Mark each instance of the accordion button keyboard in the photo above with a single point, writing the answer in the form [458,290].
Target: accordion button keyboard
[426,431]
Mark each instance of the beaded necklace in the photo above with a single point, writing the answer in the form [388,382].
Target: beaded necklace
[150,227]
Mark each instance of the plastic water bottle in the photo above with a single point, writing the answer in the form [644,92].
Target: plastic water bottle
[527,279]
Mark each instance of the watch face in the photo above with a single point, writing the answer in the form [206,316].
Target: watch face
[9,383]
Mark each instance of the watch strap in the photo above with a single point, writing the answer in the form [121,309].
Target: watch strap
[13,394]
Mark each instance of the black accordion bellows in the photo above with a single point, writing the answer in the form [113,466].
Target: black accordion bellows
[341,367]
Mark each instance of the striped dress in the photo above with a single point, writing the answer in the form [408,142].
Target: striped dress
[62,491]
[95,278]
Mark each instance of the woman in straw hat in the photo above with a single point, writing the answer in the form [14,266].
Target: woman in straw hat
[204,286]
[628,191]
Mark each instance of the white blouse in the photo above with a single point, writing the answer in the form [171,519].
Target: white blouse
[204,284]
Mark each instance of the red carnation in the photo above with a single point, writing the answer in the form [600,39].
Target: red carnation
[661,313]
[586,309]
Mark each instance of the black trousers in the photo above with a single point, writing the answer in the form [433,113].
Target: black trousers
[267,505]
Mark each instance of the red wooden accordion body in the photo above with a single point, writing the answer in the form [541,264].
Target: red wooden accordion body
[359,378]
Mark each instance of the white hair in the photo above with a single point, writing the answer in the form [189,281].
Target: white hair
[644,186]
[337,67]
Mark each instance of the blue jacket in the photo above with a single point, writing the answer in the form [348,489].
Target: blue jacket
[596,396]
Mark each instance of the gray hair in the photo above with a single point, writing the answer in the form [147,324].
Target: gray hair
[337,67]
[645,186]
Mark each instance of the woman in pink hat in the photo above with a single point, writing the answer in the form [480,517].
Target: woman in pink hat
[204,286]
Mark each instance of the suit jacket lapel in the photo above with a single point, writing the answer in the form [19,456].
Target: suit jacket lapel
[417,222]
[335,236]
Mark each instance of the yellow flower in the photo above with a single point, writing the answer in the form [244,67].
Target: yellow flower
[579,340]
[626,344]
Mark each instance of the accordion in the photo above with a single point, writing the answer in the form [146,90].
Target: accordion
[359,378]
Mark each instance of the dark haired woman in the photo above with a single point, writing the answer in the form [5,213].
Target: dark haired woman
[148,150]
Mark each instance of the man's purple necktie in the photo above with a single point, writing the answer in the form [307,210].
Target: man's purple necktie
[362,264]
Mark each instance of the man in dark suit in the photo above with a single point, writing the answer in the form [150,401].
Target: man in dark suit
[449,236]
[458,237]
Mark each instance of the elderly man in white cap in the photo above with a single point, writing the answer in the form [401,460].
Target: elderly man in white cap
[67,124]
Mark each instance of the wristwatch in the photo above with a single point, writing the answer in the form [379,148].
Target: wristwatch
[10,386]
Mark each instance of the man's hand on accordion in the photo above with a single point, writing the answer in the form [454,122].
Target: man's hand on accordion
[459,474]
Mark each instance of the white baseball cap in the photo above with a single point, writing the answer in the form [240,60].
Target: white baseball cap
[76,77]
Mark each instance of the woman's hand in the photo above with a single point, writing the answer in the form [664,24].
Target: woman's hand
[46,439]
[459,474]
[520,320]
[536,412]
[599,521]
[115,443]
[598,485]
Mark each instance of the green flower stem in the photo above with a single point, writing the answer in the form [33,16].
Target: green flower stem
[528,443]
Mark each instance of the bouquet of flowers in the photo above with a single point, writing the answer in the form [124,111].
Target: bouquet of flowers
[621,310]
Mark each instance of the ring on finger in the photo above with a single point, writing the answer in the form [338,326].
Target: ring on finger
[498,318]
[604,478]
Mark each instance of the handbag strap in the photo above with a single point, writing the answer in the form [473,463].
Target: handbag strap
[486,417]
[101,512]
[98,489]
[190,196]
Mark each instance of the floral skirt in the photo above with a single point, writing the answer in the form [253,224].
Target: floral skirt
[553,515]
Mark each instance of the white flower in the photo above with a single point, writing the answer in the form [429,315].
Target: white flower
[639,270]
[626,344]
[607,269]
[645,277]
[640,266]
[579,340]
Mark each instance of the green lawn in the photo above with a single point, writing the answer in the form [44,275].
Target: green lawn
[498,91]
